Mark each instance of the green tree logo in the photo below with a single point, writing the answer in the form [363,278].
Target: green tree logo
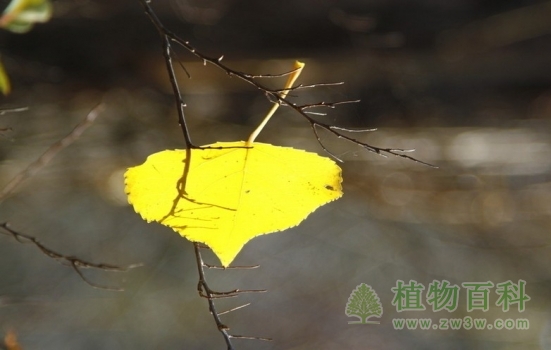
[364,303]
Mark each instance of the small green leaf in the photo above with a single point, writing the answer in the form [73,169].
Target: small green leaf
[21,15]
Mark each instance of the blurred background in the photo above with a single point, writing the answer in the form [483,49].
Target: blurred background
[466,83]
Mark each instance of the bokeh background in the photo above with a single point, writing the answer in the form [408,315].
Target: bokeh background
[466,83]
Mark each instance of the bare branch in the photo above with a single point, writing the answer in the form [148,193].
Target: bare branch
[276,96]
[206,292]
[51,152]
[273,95]
[76,263]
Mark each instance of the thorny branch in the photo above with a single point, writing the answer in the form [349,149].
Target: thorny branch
[75,263]
[206,292]
[274,95]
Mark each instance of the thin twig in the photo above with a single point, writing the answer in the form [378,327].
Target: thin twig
[327,104]
[206,292]
[233,309]
[51,152]
[352,130]
[274,95]
[202,286]
[13,110]
[248,337]
[269,76]
[167,52]
[75,263]
[309,86]
[214,267]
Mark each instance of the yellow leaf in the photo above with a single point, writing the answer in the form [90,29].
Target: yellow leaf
[231,193]
[5,85]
